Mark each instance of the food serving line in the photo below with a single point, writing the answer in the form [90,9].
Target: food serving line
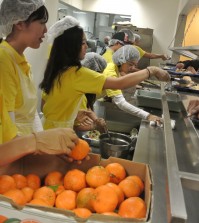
[173,156]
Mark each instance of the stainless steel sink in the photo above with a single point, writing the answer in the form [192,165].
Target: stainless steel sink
[116,119]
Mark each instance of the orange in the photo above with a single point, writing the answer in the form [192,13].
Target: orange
[16,195]
[6,183]
[28,192]
[97,176]
[33,181]
[111,214]
[66,200]
[130,188]
[84,198]
[59,189]
[29,221]
[75,180]
[82,212]
[80,151]
[104,199]
[118,190]
[133,207]
[45,193]
[117,172]
[138,180]
[2,218]
[53,178]
[40,202]
[20,180]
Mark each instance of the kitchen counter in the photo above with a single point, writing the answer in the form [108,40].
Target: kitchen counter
[173,156]
[173,171]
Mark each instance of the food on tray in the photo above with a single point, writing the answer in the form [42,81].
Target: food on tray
[183,71]
[94,134]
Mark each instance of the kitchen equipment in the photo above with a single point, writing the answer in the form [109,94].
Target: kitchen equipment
[121,145]
[152,99]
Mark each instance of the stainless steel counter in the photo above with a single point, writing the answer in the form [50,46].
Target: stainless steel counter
[173,156]
[174,161]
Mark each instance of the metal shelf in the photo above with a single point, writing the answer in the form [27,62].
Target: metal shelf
[188,51]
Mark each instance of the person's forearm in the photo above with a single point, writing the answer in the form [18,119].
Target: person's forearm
[126,81]
[16,149]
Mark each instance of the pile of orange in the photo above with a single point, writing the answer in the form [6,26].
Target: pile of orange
[104,190]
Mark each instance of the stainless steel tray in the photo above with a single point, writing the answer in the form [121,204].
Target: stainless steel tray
[146,98]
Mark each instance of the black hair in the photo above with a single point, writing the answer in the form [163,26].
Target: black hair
[91,98]
[64,54]
[40,14]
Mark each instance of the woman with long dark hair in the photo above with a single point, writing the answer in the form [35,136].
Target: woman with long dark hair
[66,81]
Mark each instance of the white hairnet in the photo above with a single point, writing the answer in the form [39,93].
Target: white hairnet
[94,61]
[60,26]
[137,37]
[12,12]
[125,54]
[130,34]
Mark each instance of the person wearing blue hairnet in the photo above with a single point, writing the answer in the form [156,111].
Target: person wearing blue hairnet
[124,59]
[22,25]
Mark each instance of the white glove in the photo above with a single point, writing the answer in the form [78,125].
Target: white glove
[159,73]
[55,141]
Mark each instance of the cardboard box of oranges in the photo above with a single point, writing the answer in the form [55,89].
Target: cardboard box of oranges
[42,165]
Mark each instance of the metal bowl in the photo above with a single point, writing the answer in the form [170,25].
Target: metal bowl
[91,142]
[118,146]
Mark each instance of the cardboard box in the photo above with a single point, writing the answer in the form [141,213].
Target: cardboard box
[42,164]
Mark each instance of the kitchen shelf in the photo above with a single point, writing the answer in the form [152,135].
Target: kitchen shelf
[188,51]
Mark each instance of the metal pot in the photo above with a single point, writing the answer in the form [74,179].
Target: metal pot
[118,146]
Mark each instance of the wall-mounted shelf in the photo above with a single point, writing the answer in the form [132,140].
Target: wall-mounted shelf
[187,51]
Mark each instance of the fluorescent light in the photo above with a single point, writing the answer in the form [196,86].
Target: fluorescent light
[79,12]
[125,16]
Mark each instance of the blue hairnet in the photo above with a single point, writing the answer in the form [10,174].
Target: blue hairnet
[12,12]
[125,54]
[94,61]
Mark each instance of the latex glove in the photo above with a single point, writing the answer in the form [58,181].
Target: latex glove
[100,125]
[154,118]
[165,57]
[83,118]
[193,108]
[55,141]
[159,73]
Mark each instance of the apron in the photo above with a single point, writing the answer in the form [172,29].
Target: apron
[25,115]
[63,124]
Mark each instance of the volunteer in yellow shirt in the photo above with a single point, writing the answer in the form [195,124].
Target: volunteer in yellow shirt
[86,119]
[123,60]
[118,40]
[23,24]
[147,54]
[7,129]
[66,81]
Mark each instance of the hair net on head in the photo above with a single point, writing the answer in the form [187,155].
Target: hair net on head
[12,12]
[130,34]
[125,54]
[60,26]
[94,61]
[137,37]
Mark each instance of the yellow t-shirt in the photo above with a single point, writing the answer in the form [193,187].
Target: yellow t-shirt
[9,77]
[111,70]
[63,100]
[7,129]
[108,55]
[141,51]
